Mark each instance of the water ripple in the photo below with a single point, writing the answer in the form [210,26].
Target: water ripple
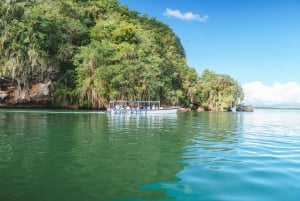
[191,156]
[254,157]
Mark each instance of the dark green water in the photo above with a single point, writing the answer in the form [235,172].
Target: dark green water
[84,156]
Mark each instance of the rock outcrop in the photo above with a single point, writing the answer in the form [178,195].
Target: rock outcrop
[35,95]
[244,108]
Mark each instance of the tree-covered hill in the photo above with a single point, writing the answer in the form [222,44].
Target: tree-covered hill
[91,51]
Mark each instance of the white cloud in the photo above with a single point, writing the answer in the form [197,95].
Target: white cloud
[257,93]
[189,16]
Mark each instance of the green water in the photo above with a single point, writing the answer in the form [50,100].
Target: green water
[85,156]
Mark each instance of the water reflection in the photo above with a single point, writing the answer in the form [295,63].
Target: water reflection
[211,141]
[63,156]
[189,156]
[205,138]
[213,133]
[150,121]
[151,150]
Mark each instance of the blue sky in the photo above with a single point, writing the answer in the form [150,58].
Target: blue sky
[256,42]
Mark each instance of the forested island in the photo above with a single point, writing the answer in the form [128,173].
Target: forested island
[83,53]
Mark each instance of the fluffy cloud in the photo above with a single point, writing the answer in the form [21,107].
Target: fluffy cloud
[257,93]
[189,16]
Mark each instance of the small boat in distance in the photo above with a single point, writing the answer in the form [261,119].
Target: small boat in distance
[138,107]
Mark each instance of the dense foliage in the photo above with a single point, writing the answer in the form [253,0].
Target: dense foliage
[218,92]
[97,50]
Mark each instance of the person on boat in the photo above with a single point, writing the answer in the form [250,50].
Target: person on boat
[117,107]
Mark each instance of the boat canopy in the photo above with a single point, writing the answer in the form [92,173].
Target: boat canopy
[133,104]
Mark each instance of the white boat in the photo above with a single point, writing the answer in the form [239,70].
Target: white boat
[138,107]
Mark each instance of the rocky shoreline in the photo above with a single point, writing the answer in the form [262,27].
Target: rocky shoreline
[244,108]
[13,95]
[37,96]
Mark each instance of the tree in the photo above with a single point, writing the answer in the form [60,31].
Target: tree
[219,92]
[97,50]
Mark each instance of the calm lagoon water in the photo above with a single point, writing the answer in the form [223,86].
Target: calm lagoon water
[89,156]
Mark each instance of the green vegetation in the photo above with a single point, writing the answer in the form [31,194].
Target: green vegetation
[97,50]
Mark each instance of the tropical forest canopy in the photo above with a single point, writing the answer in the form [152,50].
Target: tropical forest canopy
[94,51]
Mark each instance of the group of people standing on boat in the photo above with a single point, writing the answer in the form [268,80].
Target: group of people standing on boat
[128,107]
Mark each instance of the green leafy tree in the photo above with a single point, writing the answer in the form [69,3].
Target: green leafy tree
[219,92]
